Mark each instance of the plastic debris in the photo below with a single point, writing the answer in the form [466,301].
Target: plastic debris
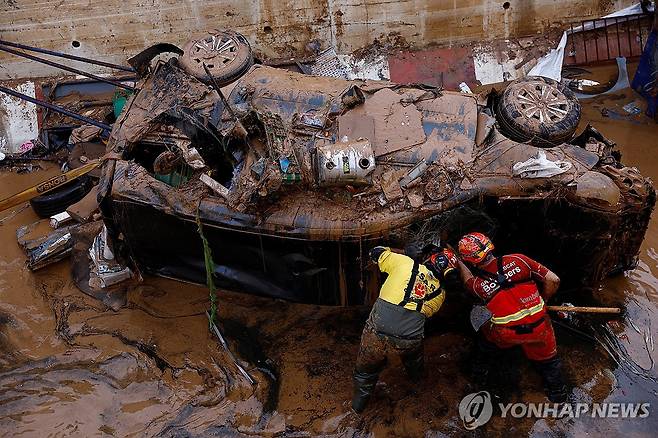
[106,271]
[60,219]
[193,158]
[632,108]
[540,167]
[27,146]
[622,81]
[465,88]
[311,119]
[284,163]
[550,65]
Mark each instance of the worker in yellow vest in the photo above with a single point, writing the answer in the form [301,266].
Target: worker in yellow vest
[411,293]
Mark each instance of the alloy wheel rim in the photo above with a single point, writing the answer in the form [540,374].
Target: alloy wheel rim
[220,48]
[542,102]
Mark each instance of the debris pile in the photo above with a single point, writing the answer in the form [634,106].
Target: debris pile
[263,155]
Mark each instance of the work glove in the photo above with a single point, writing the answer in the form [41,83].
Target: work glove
[567,316]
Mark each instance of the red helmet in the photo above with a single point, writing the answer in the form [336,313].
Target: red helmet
[474,247]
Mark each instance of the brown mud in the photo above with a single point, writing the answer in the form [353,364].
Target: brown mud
[69,366]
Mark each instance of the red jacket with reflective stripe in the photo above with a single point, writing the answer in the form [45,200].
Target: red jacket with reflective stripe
[519,302]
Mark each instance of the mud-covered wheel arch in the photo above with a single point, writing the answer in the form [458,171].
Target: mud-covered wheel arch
[538,110]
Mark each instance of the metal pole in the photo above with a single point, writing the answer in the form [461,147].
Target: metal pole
[64,67]
[582,23]
[67,56]
[596,39]
[628,36]
[55,108]
[607,38]
[573,45]
[639,31]
[618,38]
[219,91]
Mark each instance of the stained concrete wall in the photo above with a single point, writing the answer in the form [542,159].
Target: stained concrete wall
[116,29]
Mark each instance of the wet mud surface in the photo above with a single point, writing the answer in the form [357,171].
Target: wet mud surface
[70,366]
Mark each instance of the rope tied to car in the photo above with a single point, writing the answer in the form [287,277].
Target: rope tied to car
[210,271]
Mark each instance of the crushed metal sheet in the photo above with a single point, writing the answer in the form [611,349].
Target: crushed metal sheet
[42,245]
[107,271]
[60,219]
[396,126]
[450,123]
[84,210]
[355,126]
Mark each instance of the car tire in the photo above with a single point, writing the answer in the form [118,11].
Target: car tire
[227,55]
[539,111]
[60,199]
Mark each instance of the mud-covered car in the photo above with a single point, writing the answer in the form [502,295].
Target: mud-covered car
[299,176]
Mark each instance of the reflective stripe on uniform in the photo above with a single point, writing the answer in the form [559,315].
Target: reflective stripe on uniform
[520,314]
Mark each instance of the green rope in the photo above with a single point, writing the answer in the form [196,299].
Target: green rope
[210,271]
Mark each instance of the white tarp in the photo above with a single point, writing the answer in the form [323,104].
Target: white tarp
[540,167]
[550,65]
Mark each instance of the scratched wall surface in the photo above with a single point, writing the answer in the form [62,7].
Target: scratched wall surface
[116,29]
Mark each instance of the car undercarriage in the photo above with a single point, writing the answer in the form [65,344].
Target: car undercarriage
[295,178]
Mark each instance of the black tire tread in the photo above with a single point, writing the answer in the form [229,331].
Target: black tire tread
[60,199]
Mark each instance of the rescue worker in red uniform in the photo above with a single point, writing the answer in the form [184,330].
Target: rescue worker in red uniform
[514,289]
[411,293]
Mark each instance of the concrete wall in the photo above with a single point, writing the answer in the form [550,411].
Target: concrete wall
[116,29]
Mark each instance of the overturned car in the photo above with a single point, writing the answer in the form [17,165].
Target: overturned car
[295,177]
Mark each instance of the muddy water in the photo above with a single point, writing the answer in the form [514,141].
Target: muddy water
[70,366]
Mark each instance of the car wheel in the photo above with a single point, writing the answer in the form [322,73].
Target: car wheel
[58,200]
[227,55]
[538,110]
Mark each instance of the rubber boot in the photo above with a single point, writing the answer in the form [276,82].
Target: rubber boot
[482,361]
[364,385]
[414,363]
[551,373]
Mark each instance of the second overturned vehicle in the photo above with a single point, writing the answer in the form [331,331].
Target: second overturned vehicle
[295,177]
